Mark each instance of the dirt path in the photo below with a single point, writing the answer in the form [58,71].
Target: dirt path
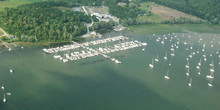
[5,34]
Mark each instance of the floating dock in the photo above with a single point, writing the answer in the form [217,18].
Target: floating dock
[90,52]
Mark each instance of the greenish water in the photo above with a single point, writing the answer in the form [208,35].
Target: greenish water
[40,82]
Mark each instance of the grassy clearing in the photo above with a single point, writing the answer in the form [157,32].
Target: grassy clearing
[11,4]
[148,29]
[15,3]
[144,5]
[202,28]
[152,18]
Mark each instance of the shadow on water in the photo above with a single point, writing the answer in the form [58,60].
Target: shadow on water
[111,92]
[100,60]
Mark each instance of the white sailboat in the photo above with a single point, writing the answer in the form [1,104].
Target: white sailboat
[199,72]
[211,64]
[143,49]
[187,65]
[4,99]
[2,87]
[156,59]
[172,54]
[211,76]
[212,70]
[165,57]
[11,71]
[210,84]
[190,82]
[200,62]
[198,67]
[167,76]
[187,73]
[190,56]
[152,64]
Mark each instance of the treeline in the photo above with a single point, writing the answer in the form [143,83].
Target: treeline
[40,21]
[205,9]
[182,20]
[103,25]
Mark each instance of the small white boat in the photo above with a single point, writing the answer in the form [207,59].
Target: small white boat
[11,71]
[167,76]
[187,73]
[4,99]
[152,64]
[187,65]
[9,49]
[211,76]
[156,59]
[210,84]
[198,67]
[165,57]
[200,62]
[8,93]
[143,49]
[199,72]
[117,62]
[2,87]
[190,82]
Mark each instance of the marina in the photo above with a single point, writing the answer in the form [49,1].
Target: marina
[90,52]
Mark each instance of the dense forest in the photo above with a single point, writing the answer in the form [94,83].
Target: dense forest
[206,9]
[40,21]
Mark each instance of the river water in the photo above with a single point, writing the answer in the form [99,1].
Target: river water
[40,82]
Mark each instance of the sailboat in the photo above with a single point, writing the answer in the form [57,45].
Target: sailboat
[11,71]
[185,43]
[4,99]
[170,63]
[212,70]
[187,73]
[187,65]
[172,54]
[199,72]
[166,76]
[156,59]
[200,62]
[211,76]
[152,64]
[210,84]
[190,56]
[198,67]
[165,57]
[212,64]
[162,42]
[190,82]
[2,87]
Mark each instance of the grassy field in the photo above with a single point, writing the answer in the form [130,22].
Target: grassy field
[148,29]
[202,28]
[15,3]
[152,18]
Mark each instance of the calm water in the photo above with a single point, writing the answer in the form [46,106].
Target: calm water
[40,82]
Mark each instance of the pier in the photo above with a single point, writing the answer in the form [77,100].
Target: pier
[90,52]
